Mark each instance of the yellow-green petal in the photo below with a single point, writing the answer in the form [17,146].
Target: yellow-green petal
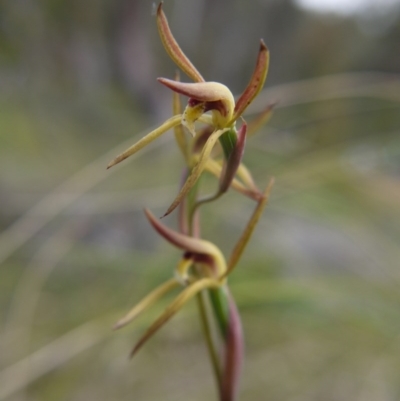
[245,176]
[174,307]
[178,129]
[197,170]
[146,302]
[170,123]
[181,271]
[248,231]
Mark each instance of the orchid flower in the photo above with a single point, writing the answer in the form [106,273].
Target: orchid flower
[198,251]
[206,97]
[204,254]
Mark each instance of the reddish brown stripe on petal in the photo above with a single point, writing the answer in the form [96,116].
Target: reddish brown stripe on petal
[256,82]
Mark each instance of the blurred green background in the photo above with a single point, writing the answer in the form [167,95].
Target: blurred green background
[318,287]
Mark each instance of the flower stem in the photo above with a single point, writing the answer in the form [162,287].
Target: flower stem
[206,324]
[219,302]
[204,310]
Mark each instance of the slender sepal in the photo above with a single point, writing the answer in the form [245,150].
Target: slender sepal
[146,302]
[180,136]
[174,307]
[196,171]
[170,123]
[256,82]
[248,231]
[173,49]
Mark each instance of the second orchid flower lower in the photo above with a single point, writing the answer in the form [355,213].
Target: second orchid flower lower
[202,267]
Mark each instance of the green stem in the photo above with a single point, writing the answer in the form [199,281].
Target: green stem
[219,302]
[206,324]
[204,311]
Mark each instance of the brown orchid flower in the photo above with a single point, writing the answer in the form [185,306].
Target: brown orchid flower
[204,254]
[198,251]
[204,97]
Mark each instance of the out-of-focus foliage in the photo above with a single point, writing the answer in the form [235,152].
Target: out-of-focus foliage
[319,286]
